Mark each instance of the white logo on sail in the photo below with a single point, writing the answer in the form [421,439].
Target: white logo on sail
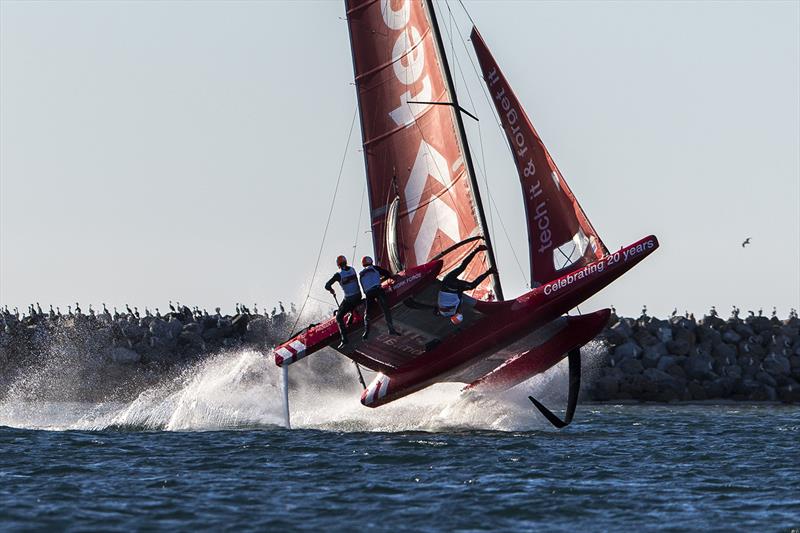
[438,215]
[408,62]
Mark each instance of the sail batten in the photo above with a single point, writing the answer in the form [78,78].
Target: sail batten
[560,236]
[413,148]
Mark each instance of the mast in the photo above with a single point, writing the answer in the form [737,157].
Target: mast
[465,146]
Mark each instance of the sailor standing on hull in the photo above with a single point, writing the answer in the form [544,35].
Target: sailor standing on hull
[370,278]
[452,288]
[348,279]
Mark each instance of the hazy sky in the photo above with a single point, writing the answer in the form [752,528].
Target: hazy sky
[189,150]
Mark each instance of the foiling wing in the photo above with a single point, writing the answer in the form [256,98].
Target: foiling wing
[415,160]
[560,236]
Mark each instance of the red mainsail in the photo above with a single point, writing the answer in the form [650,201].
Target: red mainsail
[560,236]
[422,196]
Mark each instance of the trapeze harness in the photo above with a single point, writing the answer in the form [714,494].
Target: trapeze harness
[349,282]
[370,278]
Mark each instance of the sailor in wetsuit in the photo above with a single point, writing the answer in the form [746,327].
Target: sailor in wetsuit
[452,288]
[371,277]
[348,279]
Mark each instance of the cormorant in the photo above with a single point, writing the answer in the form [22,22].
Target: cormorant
[171,307]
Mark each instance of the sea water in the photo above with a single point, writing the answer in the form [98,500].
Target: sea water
[207,449]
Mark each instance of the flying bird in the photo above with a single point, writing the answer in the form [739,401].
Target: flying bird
[746,242]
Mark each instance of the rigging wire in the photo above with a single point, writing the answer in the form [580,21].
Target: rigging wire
[482,168]
[327,223]
[358,225]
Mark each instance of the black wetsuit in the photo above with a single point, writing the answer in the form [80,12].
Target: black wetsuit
[376,293]
[348,303]
[451,283]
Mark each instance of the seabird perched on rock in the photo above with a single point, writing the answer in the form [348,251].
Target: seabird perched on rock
[147,312]
[116,313]
[774,311]
[91,311]
[69,311]
[644,310]
[136,312]
[713,311]
[158,313]
[255,308]
[746,242]
[760,311]
[280,304]
[77,309]
[674,312]
[39,309]
[171,307]
[52,313]
[237,309]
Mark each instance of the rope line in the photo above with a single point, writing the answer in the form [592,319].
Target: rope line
[327,223]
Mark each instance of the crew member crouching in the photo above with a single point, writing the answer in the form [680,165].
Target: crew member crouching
[452,289]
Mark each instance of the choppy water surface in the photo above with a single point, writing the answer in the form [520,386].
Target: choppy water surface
[206,451]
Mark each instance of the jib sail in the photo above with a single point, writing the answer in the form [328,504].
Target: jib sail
[414,148]
[560,236]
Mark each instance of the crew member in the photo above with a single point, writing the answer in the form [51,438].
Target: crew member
[348,279]
[453,288]
[371,277]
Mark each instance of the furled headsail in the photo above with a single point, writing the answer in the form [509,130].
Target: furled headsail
[413,140]
[560,236]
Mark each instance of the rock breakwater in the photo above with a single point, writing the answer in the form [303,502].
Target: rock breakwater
[679,358]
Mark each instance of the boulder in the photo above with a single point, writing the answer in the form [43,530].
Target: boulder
[644,338]
[789,393]
[765,378]
[777,365]
[697,391]
[664,333]
[732,371]
[652,354]
[698,368]
[679,347]
[763,393]
[724,351]
[605,388]
[731,337]
[677,372]
[631,366]
[629,350]
[666,362]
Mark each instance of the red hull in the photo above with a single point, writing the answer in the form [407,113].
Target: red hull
[505,323]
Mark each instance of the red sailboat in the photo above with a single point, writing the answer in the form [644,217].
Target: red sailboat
[427,217]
